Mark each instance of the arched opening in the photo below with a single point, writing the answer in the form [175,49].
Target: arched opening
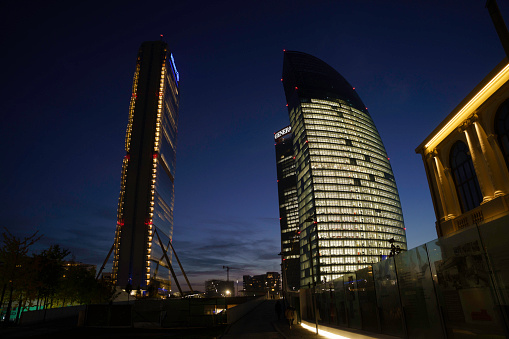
[464,176]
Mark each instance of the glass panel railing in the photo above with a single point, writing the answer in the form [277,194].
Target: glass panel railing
[452,287]
[367,300]
[340,302]
[493,236]
[388,300]
[352,301]
[463,285]
[417,293]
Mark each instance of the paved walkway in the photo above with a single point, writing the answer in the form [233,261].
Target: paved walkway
[296,332]
[262,323]
[257,324]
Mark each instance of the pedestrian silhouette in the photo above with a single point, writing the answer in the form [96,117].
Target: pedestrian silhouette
[290,315]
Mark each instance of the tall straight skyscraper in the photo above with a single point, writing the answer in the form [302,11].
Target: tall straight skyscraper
[145,208]
[288,209]
[348,203]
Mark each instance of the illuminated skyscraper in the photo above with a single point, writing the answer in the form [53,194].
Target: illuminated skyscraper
[145,208]
[348,203]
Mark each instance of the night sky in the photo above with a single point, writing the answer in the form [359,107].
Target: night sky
[67,71]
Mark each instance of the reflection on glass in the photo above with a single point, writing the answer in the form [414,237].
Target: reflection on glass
[417,294]
[340,301]
[388,301]
[352,301]
[463,285]
[367,299]
[452,287]
[498,257]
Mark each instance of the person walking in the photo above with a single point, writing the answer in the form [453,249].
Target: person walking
[290,315]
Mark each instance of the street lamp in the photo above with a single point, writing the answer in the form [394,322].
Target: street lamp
[226,295]
[312,219]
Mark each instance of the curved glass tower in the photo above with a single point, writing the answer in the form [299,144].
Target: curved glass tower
[349,208]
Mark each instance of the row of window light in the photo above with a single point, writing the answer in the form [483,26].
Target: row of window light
[125,161]
[131,107]
[154,168]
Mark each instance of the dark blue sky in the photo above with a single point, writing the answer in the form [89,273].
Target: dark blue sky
[66,81]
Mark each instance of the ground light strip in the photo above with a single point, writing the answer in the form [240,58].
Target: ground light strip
[323,333]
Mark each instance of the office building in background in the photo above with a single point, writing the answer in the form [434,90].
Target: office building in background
[288,209]
[145,208]
[348,204]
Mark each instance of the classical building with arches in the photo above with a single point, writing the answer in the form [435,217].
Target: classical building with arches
[466,157]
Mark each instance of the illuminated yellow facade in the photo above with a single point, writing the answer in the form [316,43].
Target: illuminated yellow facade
[466,157]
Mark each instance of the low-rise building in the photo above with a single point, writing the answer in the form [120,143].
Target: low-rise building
[269,283]
[467,157]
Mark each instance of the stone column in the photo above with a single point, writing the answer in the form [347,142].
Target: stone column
[499,160]
[481,168]
[441,204]
[500,181]
[449,207]
[456,207]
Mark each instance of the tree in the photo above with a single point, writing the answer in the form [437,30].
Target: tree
[105,292]
[51,271]
[15,270]
[78,284]
[45,277]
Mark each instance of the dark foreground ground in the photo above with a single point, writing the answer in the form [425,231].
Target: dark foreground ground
[260,323]
[59,332]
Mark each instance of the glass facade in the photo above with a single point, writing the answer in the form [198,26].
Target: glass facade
[348,202]
[145,210]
